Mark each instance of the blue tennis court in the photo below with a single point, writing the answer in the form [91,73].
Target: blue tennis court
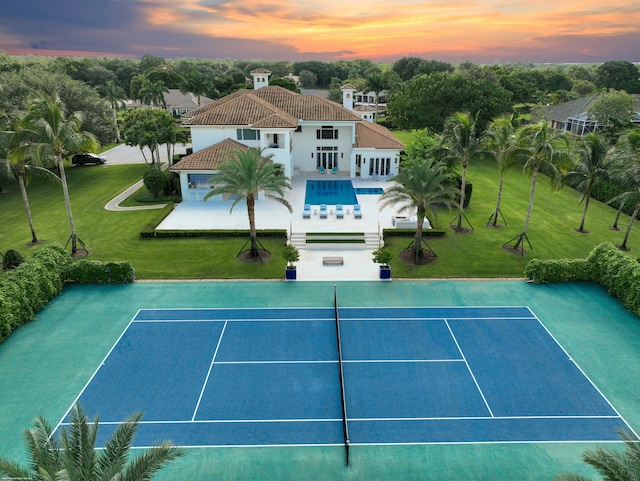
[419,375]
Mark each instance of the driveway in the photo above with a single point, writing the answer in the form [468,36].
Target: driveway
[123,154]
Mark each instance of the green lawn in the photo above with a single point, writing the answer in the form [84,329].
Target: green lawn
[115,235]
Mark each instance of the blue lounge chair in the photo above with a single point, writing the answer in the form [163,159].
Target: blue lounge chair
[323,211]
[339,212]
[322,170]
[334,170]
[306,212]
[357,211]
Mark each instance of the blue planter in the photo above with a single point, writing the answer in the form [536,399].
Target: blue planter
[385,272]
[290,273]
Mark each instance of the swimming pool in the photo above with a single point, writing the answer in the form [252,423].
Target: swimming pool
[330,192]
[369,190]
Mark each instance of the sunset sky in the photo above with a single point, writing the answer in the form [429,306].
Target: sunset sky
[482,31]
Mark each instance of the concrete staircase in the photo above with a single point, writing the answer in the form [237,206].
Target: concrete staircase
[336,241]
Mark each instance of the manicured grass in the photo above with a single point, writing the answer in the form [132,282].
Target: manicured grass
[116,235]
[551,230]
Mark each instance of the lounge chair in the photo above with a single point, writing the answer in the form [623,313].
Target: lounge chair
[339,212]
[357,211]
[334,170]
[322,170]
[306,212]
[323,211]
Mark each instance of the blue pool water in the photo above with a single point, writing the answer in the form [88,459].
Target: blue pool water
[330,192]
[369,190]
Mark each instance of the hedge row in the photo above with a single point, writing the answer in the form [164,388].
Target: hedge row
[211,233]
[606,265]
[86,271]
[25,290]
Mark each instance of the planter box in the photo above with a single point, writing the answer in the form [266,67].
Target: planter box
[385,272]
[290,274]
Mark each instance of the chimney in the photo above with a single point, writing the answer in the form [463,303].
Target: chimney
[347,96]
[260,78]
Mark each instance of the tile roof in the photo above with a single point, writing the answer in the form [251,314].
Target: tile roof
[260,70]
[209,158]
[374,136]
[241,108]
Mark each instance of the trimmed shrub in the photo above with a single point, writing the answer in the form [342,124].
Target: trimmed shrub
[86,271]
[606,265]
[27,289]
[155,181]
[11,259]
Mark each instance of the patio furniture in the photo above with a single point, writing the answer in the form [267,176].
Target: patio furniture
[306,212]
[339,211]
[323,211]
[322,170]
[357,211]
[336,261]
[334,170]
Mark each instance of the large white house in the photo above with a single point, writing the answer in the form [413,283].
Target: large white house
[303,133]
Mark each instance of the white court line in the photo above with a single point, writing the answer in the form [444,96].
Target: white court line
[585,375]
[469,368]
[206,380]
[104,360]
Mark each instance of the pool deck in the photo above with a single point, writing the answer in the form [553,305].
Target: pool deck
[358,264]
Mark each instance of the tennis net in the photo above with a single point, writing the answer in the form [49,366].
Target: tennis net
[345,425]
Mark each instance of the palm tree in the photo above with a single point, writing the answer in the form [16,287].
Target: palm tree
[16,164]
[73,457]
[459,144]
[195,82]
[612,465]
[628,174]
[422,185]
[245,173]
[54,135]
[593,164]
[115,95]
[152,93]
[501,140]
[541,148]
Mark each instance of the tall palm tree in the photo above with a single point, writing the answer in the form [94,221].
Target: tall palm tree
[74,457]
[612,465]
[628,174]
[115,95]
[54,135]
[195,82]
[421,186]
[541,147]
[460,144]
[501,140]
[593,164]
[152,93]
[245,173]
[17,164]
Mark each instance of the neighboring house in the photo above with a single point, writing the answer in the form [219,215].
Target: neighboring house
[572,116]
[303,133]
[369,99]
[178,103]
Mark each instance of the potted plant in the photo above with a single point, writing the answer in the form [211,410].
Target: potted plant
[290,254]
[383,257]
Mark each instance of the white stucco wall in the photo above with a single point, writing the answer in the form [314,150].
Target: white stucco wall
[305,144]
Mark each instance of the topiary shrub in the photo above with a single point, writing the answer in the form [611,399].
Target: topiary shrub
[11,259]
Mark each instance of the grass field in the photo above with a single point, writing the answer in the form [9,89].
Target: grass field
[115,235]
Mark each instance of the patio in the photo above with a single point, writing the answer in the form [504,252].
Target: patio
[358,264]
